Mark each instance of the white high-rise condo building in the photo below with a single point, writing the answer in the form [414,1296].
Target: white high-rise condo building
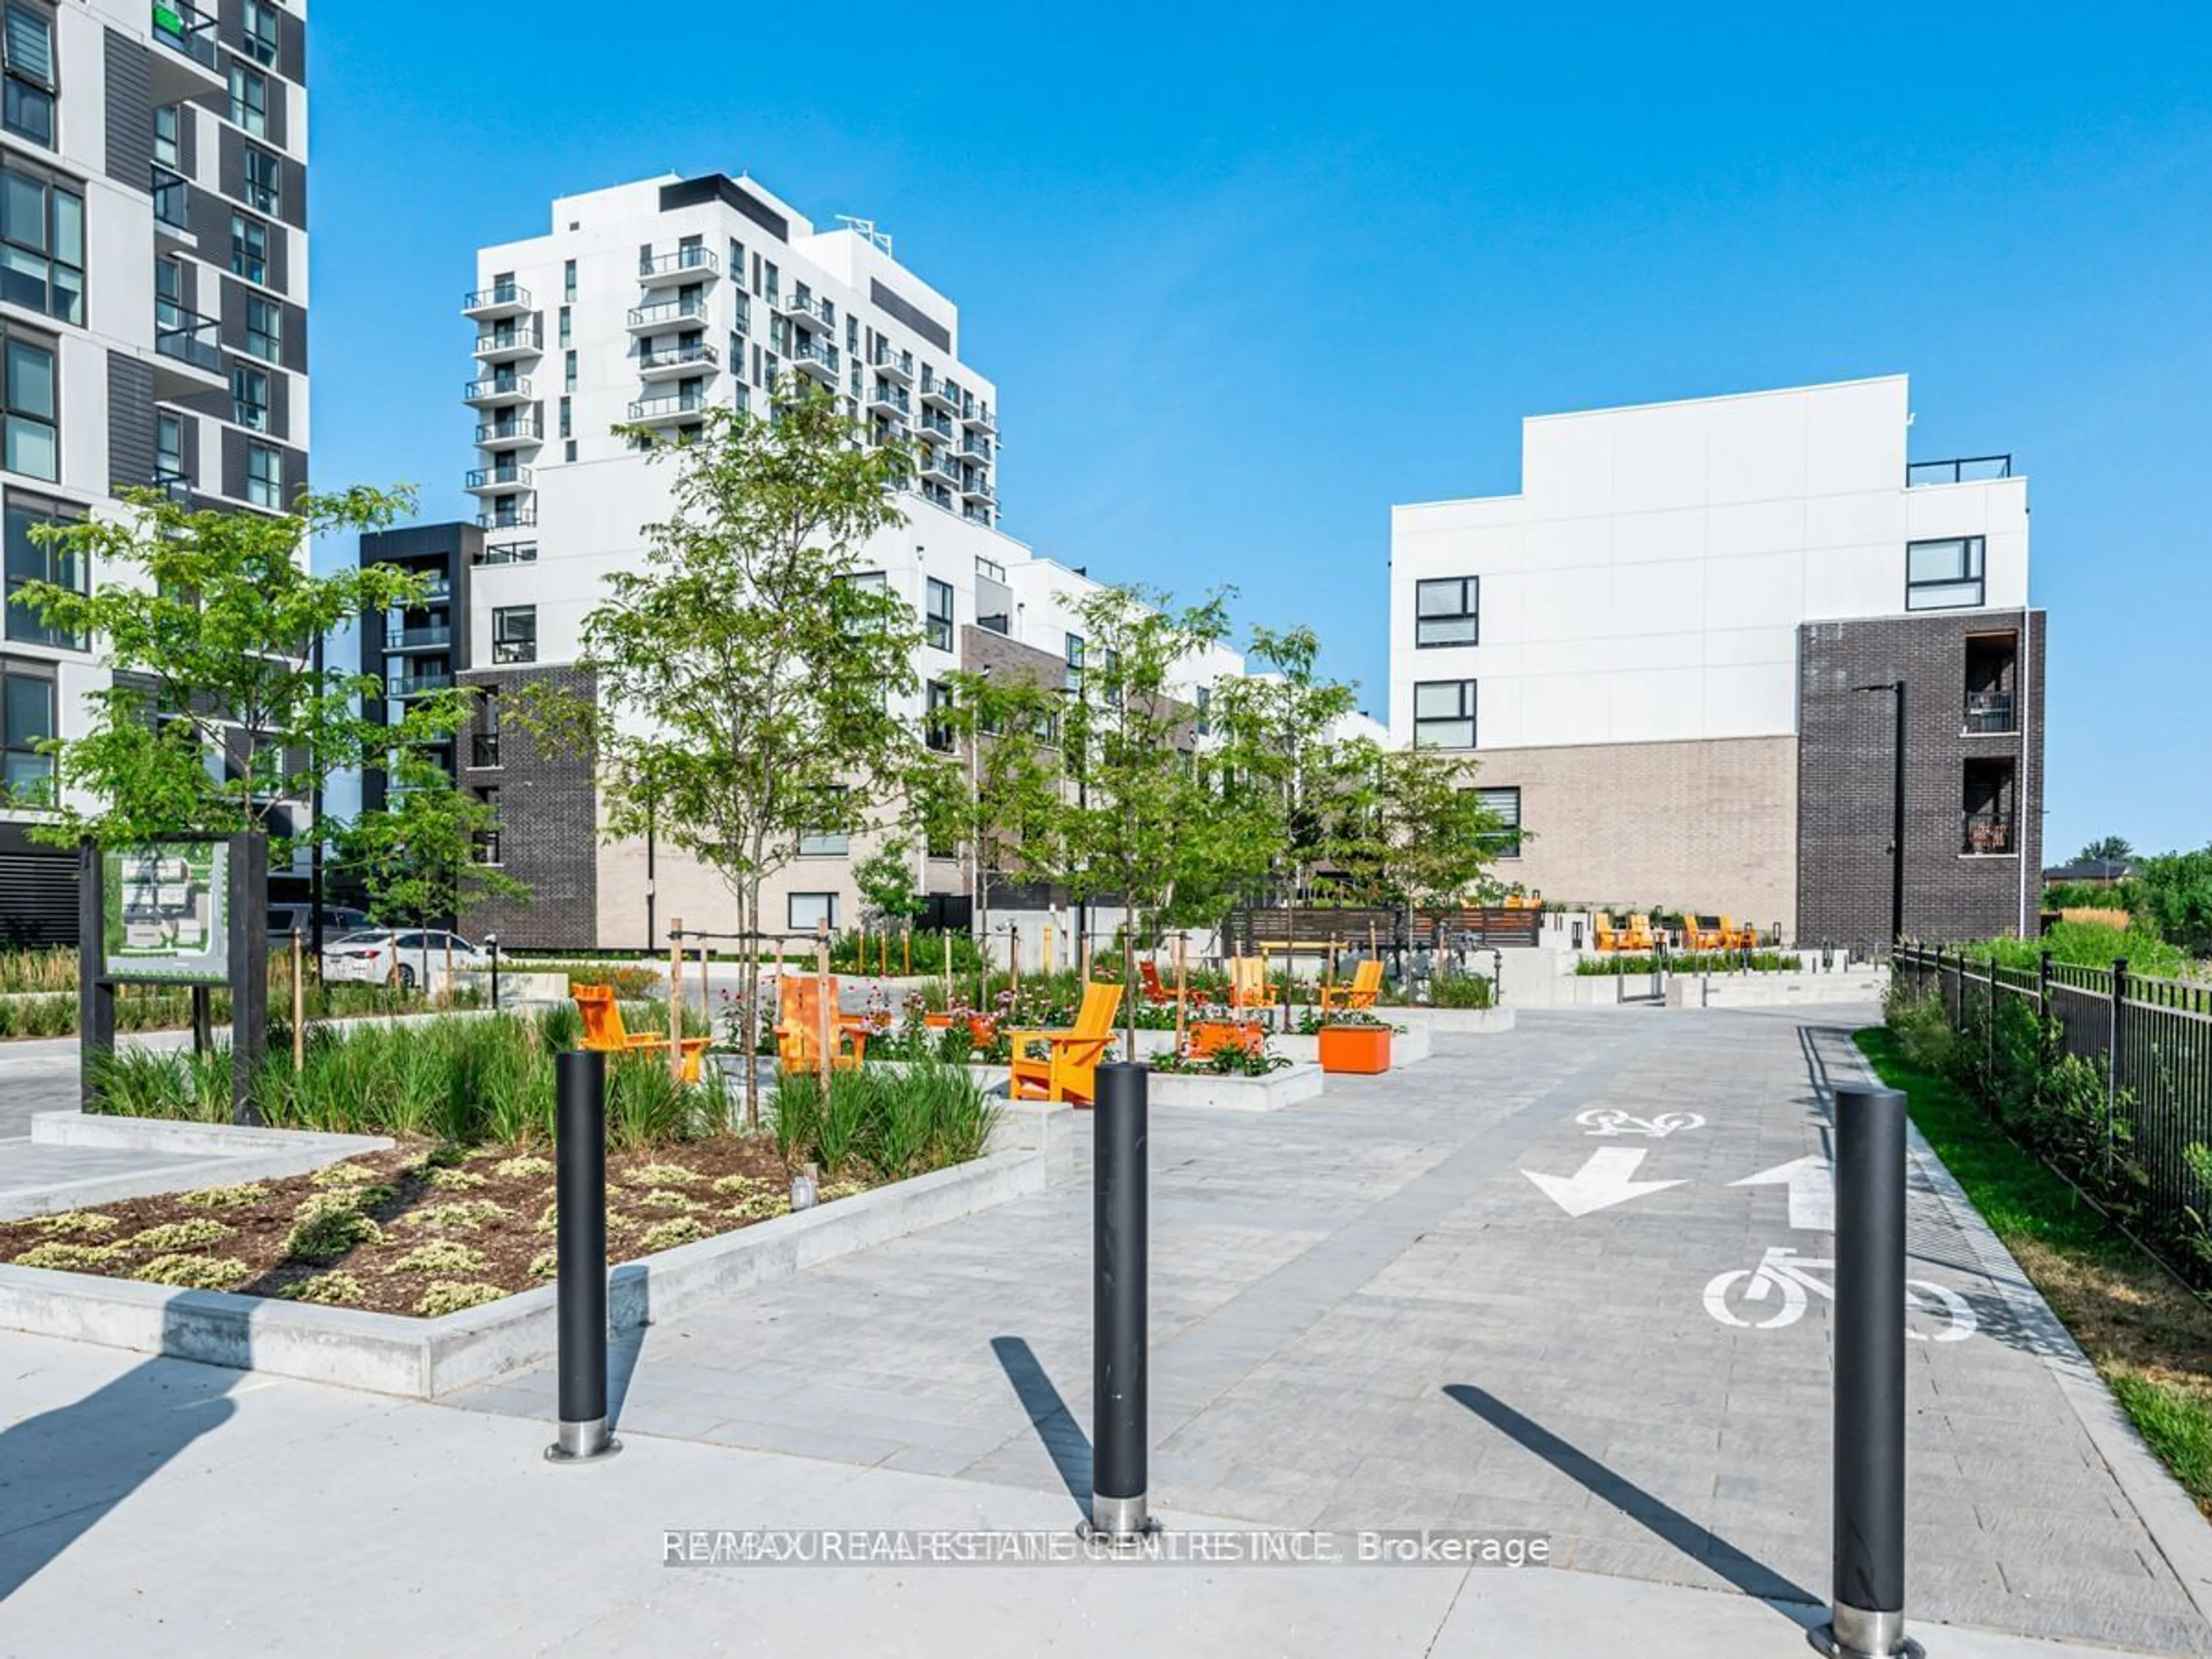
[153,321]
[1675,653]
[645,305]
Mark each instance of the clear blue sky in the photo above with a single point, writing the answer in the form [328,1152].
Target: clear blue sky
[1247,276]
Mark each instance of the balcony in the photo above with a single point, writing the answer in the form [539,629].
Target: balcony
[942,464]
[685,264]
[438,589]
[1988,835]
[177,487]
[975,513]
[809,311]
[509,553]
[1969,468]
[977,450]
[897,365]
[937,425]
[1989,712]
[977,488]
[507,518]
[187,353]
[673,362]
[188,63]
[173,212]
[399,686]
[817,358]
[484,749]
[666,316]
[500,300]
[669,408]
[431,636]
[525,433]
[510,345]
[499,393]
[977,417]
[888,399]
[942,394]
[498,480]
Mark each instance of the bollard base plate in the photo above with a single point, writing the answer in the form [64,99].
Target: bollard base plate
[1115,1543]
[583,1443]
[1823,1639]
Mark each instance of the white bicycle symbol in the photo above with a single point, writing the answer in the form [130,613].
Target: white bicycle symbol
[1612,1120]
[1783,1270]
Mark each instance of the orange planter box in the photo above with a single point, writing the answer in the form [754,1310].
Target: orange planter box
[1208,1036]
[1364,1048]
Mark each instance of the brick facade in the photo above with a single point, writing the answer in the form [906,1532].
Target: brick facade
[1846,769]
[549,835]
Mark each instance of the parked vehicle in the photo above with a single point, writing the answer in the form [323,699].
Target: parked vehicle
[338,919]
[406,958]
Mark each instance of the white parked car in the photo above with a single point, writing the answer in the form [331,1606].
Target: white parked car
[410,958]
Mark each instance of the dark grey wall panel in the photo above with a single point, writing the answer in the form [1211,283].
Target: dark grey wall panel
[129,112]
[130,421]
[231,314]
[296,475]
[548,834]
[911,314]
[280,402]
[233,463]
[292,48]
[280,259]
[230,162]
[293,197]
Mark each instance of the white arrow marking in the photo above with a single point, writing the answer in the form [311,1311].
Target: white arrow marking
[1811,1182]
[1607,1178]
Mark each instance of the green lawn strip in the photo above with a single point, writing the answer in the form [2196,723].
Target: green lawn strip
[2107,1293]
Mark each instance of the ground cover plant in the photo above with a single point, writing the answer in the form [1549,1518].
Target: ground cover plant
[1695,962]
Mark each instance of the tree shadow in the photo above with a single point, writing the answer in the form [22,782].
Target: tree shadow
[1667,1524]
[64,1471]
[1065,1442]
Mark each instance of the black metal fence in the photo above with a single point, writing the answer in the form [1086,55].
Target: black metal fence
[1475,926]
[2150,1041]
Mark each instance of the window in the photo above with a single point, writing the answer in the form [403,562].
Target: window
[249,99]
[567,326]
[1204,711]
[29,720]
[264,477]
[568,372]
[264,180]
[805,912]
[936,730]
[32,446]
[487,841]
[483,744]
[568,450]
[567,415]
[1943,576]
[772,280]
[514,634]
[939,622]
[249,248]
[1445,610]
[261,31]
[1443,714]
[33,560]
[827,843]
[28,108]
[568,281]
[41,245]
[1506,804]
[249,397]
[168,147]
[1072,649]
[168,448]
[265,328]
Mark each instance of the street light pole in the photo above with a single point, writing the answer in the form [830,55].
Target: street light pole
[1896,814]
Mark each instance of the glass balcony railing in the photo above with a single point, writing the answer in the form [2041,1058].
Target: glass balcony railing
[492,432]
[683,258]
[697,356]
[1967,469]
[414,685]
[188,337]
[172,199]
[672,405]
[183,28]
[426,637]
[499,478]
[668,313]
[498,294]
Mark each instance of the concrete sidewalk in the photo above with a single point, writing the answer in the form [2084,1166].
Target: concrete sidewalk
[156,1506]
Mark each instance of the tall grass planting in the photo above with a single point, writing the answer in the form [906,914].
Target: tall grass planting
[881,1124]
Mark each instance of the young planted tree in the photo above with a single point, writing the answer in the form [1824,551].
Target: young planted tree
[219,712]
[1411,831]
[885,879]
[1146,819]
[747,686]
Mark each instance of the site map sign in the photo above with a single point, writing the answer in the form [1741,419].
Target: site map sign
[168,912]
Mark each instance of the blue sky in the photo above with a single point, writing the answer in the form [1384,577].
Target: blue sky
[1247,276]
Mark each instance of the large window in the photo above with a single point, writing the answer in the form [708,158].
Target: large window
[27,108]
[827,843]
[1072,648]
[261,31]
[487,841]
[168,147]
[1443,714]
[264,180]
[936,730]
[514,634]
[1944,575]
[249,248]
[249,397]
[804,912]
[30,559]
[249,99]
[265,328]
[939,622]
[1446,611]
[1506,804]
[32,447]
[41,245]
[29,722]
[168,448]
[264,477]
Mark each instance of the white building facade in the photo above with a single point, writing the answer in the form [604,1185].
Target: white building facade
[1638,649]
[153,321]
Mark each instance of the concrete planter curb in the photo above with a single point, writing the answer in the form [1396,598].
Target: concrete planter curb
[1409,1045]
[1455,1022]
[423,1359]
[1270,1093]
[214,1154]
[1765,990]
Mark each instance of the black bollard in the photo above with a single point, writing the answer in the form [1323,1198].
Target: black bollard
[1868,1605]
[1118,1510]
[580,1151]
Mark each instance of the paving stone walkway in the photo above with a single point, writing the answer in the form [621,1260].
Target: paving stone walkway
[1365,1314]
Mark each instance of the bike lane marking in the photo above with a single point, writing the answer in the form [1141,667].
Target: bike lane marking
[1811,1182]
[1607,1179]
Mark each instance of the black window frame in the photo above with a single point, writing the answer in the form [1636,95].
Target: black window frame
[242,252]
[245,411]
[11,341]
[273,502]
[28,87]
[1973,563]
[1465,716]
[54,565]
[15,246]
[264,338]
[936,734]
[485,843]
[513,648]
[237,109]
[937,626]
[1509,842]
[1470,611]
[261,48]
[264,194]
[14,756]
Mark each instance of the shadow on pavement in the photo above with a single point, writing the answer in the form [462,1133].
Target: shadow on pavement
[629,1315]
[62,1471]
[1667,1524]
[1064,1442]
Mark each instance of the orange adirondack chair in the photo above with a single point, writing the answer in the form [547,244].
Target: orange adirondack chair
[604,1031]
[799,1029]
[1734,937]
[1154,991]
[1702,932]
[1068,1069]
[1248,983]
[1605,935]
[1638,936]
[1366,985]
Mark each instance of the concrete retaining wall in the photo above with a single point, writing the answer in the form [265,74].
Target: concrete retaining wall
[1270,1093]
[181,1157]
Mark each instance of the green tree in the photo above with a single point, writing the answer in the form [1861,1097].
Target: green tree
[746,685]
[886,878]
[1146,818]
[994,782]
[2173,891]
[219,714]
[1411,831]
[2107,850]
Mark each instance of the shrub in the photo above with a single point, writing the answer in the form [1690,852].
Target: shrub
[881,1124]
[667,1198]
[224,1198]
[465,1216]
[332,1290]
[761,1205]
[75,1222]
[453,1181]
[179,1236]
[446,1296]
[344,1175]
[546,1264]
[193,1273]
[1460,991]
[523,1168]
[70,1258]
[661,1175]
[667,1235]
[327,1225]
[444,1256]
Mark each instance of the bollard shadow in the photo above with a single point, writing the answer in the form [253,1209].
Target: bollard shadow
[1669,1525]
[629,1315]
[1065,1442]
[64,1471]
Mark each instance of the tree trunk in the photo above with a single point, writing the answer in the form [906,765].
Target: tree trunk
[749,996]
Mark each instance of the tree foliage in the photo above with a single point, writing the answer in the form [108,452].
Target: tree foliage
[1411,831]
[993,778]
[2107,850]
[420,856]
[1281,774]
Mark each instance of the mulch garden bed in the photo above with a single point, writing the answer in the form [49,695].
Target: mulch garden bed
[419,1230]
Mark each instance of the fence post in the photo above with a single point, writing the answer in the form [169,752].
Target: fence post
[1992,1034]
[2118,1023]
